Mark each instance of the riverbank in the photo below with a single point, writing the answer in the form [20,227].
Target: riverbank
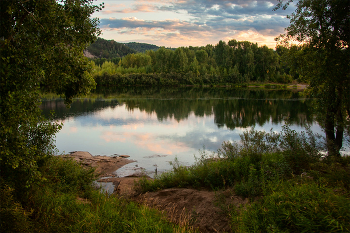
[64,200]
[239,193]
[201,209]
[105,165]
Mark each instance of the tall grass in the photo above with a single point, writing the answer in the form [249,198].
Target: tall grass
[295,206]
[297,190]
[66,201]
[259,158]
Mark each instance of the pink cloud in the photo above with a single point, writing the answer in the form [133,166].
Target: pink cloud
[73,129]
[134,126]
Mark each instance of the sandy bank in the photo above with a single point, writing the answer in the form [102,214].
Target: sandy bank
[202,209]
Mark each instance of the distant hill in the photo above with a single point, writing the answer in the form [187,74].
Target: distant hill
[108,49]
[141,47]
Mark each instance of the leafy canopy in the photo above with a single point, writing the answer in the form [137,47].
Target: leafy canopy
[41,45]
[322,26]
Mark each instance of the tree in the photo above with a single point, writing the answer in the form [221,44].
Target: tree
[266,62]
[163,58]
[202,56]
[41,45]
[323,28]
[221,53]
[180,61]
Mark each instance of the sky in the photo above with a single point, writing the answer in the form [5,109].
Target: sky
[176,23]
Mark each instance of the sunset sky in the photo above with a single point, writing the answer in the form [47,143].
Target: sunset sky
[175,23]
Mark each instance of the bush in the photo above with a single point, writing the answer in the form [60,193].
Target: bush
[13,217]
[295,206]
[248,166]
[66,201]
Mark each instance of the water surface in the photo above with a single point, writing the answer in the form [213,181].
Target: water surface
[155,126]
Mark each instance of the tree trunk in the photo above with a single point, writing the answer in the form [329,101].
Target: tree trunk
[334,127]
[330,134]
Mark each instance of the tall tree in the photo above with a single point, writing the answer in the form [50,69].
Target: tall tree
[323,28]
[41,44]
[180,60]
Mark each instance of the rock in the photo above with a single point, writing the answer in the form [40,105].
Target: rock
[103,164]
[124,156]
[81,154]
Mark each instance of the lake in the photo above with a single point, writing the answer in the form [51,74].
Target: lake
[156,125]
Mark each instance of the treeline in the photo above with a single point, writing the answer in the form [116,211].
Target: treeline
[112,51]
[141,47]
[235,62]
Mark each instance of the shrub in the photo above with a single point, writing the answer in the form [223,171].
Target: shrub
[295,206]
[67,202]
[13,217]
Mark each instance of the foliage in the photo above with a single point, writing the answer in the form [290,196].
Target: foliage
[295,206]
[322,27]
[141,47]
[235,63]
[66,201]
[13,217]
[136,60]
[259,158]
[109,49]
[100,61]
[310,195]
[41,45]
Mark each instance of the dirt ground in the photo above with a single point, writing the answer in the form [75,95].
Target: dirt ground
[202,209]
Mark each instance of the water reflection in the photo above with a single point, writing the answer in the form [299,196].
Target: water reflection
[155,125]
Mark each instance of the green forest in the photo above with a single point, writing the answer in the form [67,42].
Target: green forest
[290,185]
[109,49]
[235,62]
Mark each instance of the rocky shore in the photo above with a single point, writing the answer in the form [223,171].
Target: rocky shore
[181,205]
[106,167]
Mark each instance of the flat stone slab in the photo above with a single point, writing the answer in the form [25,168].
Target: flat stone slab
[104,164]
[82,154]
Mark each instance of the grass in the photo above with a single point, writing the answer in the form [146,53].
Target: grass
[291,189]
[66,201]
[295,206]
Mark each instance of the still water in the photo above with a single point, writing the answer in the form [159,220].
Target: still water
[155,126]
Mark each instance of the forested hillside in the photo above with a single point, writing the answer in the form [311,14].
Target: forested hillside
[109,49]
[235,62]
[141,47]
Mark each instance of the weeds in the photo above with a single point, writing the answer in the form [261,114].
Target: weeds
[297,190]
[295,206]
[55,205]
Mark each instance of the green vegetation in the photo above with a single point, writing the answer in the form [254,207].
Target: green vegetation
[291,187]
[41,48]
[209,65]
[109,49]
[40,192]
[141,47]
[51,57]
[324,61]
[66,201]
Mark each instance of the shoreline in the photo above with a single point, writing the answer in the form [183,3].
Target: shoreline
[106,167]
